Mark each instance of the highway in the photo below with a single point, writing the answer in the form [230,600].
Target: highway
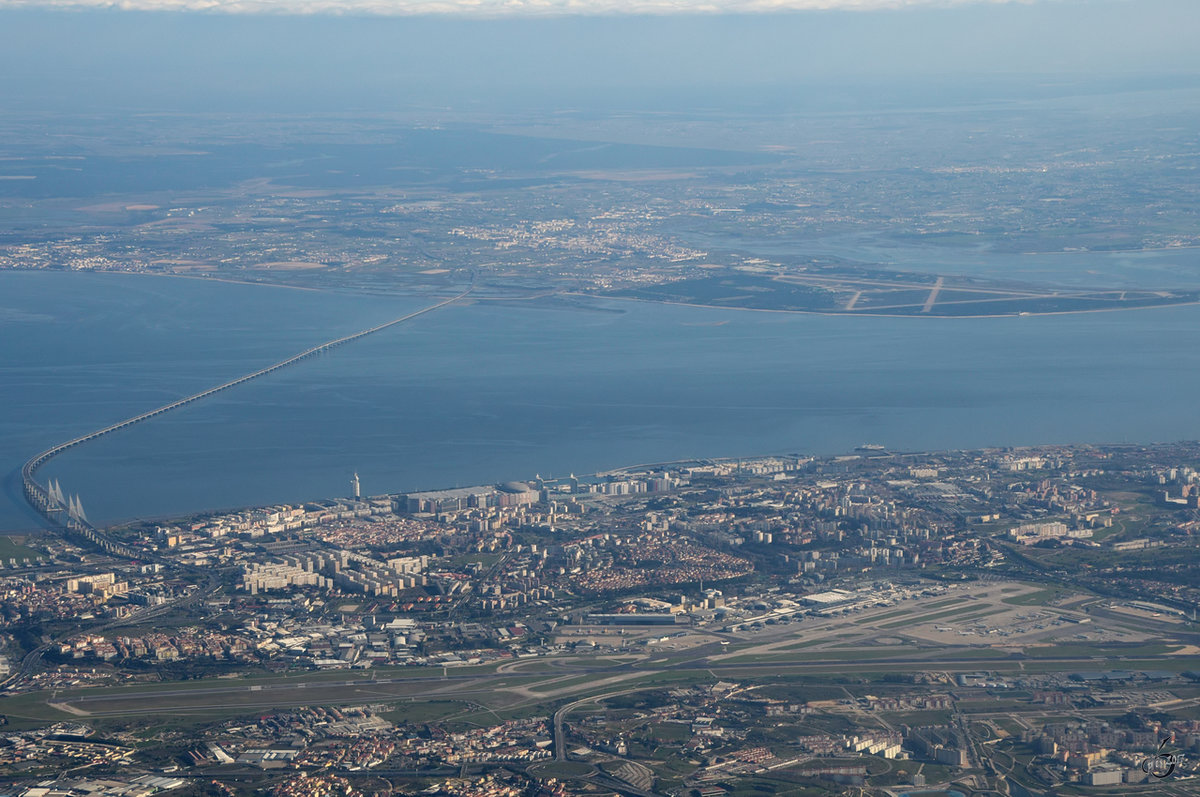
[560,737]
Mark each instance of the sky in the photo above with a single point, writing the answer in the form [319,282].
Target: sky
[493,8]
[567,52]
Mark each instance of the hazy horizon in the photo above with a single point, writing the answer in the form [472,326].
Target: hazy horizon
[93,60]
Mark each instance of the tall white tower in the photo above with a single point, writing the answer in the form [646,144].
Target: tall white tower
[357,487]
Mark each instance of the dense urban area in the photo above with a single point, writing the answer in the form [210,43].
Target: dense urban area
[1012,620]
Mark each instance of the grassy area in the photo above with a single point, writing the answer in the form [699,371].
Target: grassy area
[934,773]
[1041,597]
[490,716]
[665,733]
[1166,663]
[226,697]
[417,712]
[515,706]
[800,692]
[548,687]
[834,655]
[1187,712]
[976,653]
[920,717]
[1009,726]
[941,604]
[574,662]
[11,548]
[970,618]
[670,764]
[1058,719]
[806,644]
[432,697]
[915,608]
[29,711]
[872,764]
[955,660]
[484,559]
[242,701]
[1106,650]
[562,769]
[984,706]
[264,680]
[887,616]
[25,711]
[962,613]
[1101,534]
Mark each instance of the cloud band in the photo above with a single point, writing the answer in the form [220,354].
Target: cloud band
[494,8]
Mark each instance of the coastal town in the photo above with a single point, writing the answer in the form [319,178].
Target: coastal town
[878,619]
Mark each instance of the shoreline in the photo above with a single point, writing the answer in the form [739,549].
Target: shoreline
[917,316]
[854,454]
[52,507]
[584,298]
[552,292]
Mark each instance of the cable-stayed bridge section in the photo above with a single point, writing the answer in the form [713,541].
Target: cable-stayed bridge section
[67,513]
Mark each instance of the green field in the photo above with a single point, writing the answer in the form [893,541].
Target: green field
[11,548]
[832,655]
[806,644]
[423,711]
[940,717]
[1041,597]
[1009,726]
[887,616]
[915,608]
[421,694]
[562,769]
[1099,649]
[961,614]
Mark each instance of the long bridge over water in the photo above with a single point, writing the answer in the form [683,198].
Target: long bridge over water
[39,496]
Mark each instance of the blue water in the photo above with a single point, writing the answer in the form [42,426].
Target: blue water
[489,391]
